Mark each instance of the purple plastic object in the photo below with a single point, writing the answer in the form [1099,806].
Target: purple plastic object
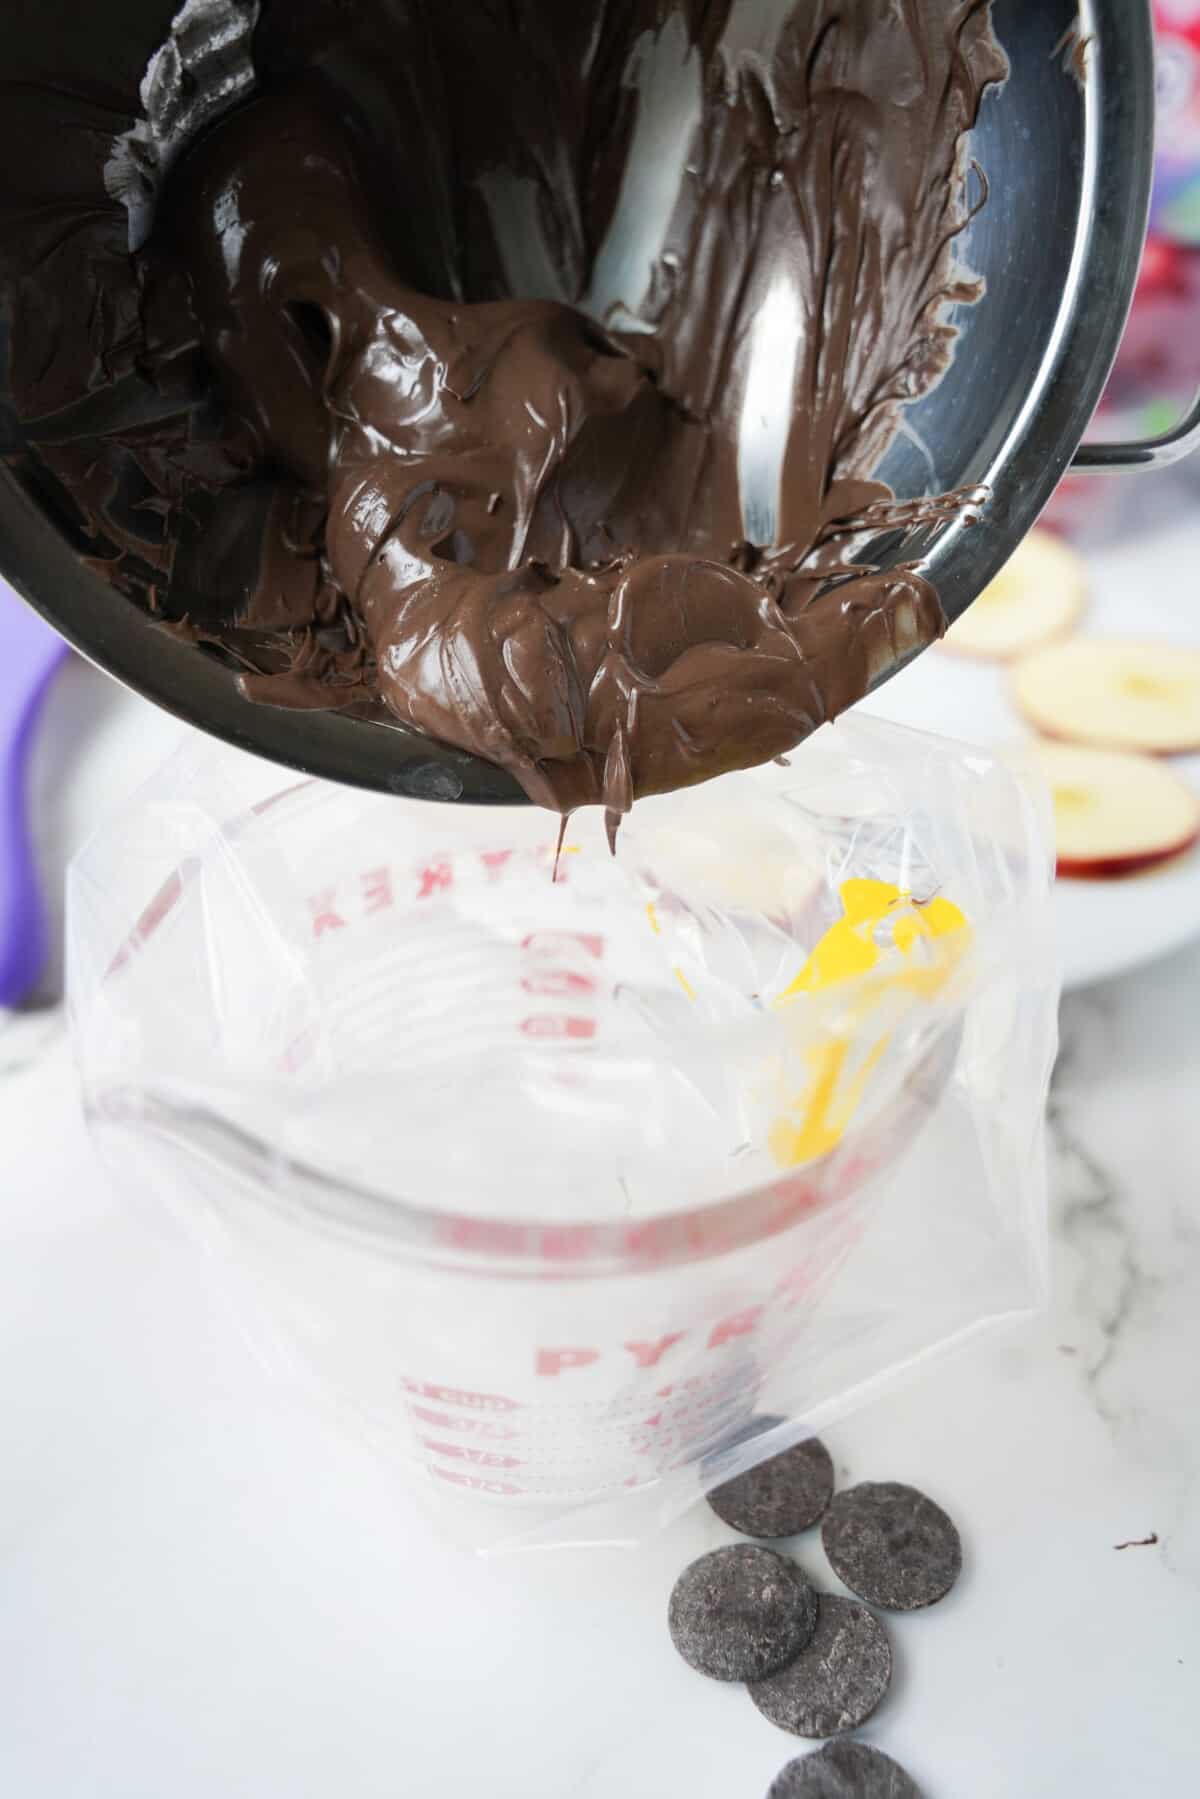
[29,654]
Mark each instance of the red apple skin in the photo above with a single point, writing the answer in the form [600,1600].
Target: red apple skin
[1115,868]
[1096,743]
[1068,628]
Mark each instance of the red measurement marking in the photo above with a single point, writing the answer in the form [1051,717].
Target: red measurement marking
[160,907]
[261,807]
[799,1281]
[476,1402]
[739,1324]
[479,1458]
[565,1242]
[693,1386]
[475,1427]
[557,943]
[378,894]
[646,1243]
[485,1235]
[558,982]
[438,877]
[556,1361]
[325,915]
[503,1487]
[547,1025]
[648,1355]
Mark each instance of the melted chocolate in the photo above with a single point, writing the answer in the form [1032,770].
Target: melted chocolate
[318,432]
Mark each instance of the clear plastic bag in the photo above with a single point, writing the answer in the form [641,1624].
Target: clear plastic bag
[562,1188]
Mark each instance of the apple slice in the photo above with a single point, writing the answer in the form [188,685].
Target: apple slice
[1037,597]
[1116,813]
[1121,696]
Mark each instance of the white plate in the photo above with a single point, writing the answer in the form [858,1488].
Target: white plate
[1147,588]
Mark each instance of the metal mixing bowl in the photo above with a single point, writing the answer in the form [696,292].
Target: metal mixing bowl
[1059,244]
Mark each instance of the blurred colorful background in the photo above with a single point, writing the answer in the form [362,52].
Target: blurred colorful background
[1159,366]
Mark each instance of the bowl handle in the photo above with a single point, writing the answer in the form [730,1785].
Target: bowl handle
[1150,452]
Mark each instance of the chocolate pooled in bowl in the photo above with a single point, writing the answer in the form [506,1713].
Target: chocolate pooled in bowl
[379,412]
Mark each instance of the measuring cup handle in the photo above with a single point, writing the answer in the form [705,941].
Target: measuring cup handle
[1149,452]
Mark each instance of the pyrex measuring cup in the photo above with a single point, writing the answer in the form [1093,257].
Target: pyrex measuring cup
[558,1184]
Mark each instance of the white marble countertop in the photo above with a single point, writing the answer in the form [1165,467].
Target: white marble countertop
[203,1592]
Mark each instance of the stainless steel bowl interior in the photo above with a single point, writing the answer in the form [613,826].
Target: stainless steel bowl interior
[1059,242]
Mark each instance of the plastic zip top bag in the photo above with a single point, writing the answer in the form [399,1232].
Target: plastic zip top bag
[551,1185]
